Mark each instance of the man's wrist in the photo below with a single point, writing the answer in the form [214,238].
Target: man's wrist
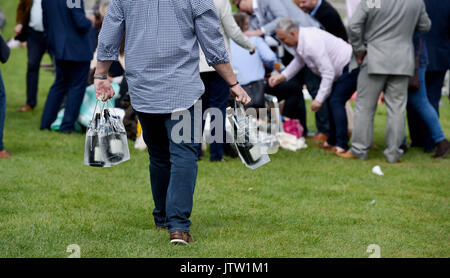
[234,85]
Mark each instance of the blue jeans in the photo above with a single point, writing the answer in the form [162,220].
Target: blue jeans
[173,170]
[343,90]
[216,95]
[2,110]
[420,105]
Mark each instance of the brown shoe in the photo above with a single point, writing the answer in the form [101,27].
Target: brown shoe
[4,154]
[347,154]
[181,238]
[332,149]
[325,145]
[320,137]
[26,108]
[337,150]
[442,149]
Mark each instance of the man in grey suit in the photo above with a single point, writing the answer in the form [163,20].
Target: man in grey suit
[381,36]
[265,14]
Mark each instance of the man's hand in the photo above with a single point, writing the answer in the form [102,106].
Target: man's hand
[361,57]
[254,33]
[240,95]
[18,29]
[315,106]
[103,90]
[276,80]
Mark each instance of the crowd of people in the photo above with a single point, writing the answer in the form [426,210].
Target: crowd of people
[397,50]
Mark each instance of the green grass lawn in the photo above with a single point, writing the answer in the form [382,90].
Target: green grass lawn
[303,204]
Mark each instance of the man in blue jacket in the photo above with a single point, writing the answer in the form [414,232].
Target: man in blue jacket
[70,41]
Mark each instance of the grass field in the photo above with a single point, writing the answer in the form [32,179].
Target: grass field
[303,204]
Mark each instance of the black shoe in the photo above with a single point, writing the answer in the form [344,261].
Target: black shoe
[442,149]
[405,148]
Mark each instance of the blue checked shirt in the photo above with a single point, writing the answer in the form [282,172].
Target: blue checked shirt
[162,49]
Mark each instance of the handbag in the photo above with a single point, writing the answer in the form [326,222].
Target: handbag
[414,82]
[4,50]
[294,127]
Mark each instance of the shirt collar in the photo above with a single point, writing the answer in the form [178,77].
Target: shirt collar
[313,13]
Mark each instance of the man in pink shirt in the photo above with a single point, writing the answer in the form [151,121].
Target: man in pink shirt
[329,57]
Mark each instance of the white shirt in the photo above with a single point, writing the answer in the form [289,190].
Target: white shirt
[36,16]
[324,54]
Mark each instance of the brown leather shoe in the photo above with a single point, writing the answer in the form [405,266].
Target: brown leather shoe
[181,238]
[320,137]
[347,154]
[336,149]
[325,145]
[26,108]
[442,149]
[4,154]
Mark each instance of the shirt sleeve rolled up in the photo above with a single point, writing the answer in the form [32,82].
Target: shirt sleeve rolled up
[207,25]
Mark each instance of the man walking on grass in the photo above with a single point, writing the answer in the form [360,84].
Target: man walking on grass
[162,67]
